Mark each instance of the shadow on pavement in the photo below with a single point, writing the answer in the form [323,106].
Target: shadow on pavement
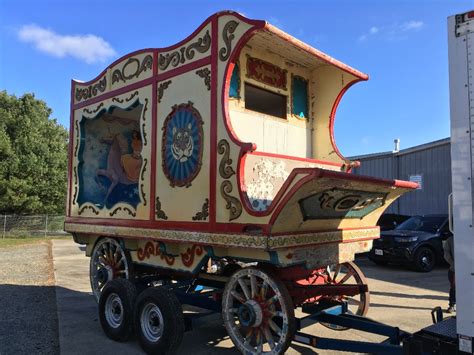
[28,320]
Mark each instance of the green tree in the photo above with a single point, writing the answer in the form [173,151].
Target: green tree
[33,157]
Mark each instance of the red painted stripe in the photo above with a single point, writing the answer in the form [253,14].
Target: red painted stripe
[154,124]
[70,150]
[213,129]
[306,160]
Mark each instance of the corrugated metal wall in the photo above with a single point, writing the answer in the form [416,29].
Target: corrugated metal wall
[433,163]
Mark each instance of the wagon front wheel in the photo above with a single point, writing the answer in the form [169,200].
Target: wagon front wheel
[258,312]
[109,260]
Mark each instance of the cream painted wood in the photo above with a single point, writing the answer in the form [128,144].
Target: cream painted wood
[182,203]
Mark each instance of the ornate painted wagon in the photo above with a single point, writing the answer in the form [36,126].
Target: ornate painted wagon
[213,162]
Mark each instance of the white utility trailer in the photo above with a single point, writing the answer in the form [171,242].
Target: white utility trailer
[454,335]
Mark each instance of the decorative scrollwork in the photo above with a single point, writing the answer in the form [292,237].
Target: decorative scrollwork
[90,112]
[88,207]
[228,37]
[159,213]
[76,123]
[142,191]
[126,209]
[75,185]
[223,148]
[161,89]
[145,108]
[119,74]
[159,249]
[188,257]
[121,101]
[91,90]
[204,213]
[145,162]
[180,56]
[233,204]
[205,73]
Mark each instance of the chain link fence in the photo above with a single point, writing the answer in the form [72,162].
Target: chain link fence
[32,226]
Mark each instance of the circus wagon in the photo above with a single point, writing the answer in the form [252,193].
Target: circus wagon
[207,173]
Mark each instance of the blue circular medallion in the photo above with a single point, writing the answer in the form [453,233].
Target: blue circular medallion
[182,145]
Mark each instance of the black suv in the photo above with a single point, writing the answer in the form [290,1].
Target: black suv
[418,241]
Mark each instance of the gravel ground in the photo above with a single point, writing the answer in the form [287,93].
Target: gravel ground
[28,316]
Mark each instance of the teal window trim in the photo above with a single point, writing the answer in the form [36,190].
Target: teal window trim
[299,97]
[234,89]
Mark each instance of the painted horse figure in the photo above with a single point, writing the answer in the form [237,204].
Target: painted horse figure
[122,167]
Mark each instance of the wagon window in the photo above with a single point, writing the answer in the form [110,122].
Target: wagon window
[264,101]
[234,90]
[300,97]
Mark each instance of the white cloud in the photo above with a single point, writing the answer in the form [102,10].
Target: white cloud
[373,30]
[89,48]
[412,25]
[395,31]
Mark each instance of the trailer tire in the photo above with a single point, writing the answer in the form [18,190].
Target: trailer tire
[116,309]
[159,321]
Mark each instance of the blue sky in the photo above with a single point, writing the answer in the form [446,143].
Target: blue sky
[402,45]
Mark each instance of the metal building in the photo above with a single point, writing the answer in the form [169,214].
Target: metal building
[428,164]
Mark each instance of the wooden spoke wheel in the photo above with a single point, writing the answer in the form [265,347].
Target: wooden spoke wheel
[348,274]
[109,261]
[258,312]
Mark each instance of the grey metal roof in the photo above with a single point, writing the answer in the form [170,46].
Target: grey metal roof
[403,151]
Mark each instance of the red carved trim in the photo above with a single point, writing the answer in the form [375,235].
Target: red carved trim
[188,257]
[213,128]
[152,249]
[154,113]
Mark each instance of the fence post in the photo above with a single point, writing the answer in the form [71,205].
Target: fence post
[46,227]
[4,226]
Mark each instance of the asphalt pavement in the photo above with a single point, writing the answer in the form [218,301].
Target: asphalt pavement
[399,297]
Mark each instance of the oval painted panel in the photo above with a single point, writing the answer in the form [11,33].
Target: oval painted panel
[182,145]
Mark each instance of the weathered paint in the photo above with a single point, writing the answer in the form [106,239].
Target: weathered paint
[237,191]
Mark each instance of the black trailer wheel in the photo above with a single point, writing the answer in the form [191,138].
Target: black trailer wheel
[258,312]
[116,307]
[425,259]
[159,321]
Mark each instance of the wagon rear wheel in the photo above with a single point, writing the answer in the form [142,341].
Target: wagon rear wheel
[258,312]
[348,274]
[109,260]
[116,307]
[159,321]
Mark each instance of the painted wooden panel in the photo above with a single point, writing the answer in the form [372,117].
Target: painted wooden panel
[183,145]
[112,156]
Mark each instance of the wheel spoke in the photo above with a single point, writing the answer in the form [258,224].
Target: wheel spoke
[272,300]
[237,296]
[268,336]
[263,290]
[244,288]
[347,276]
[259,341]
[336,272]
[253,285]
[275,327]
